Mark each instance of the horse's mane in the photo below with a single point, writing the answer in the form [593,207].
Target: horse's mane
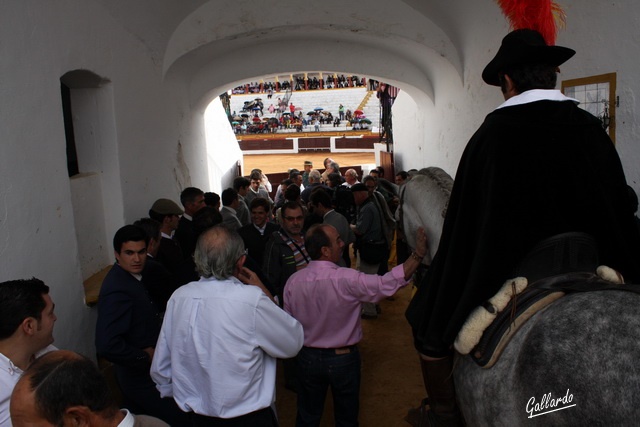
[388,185]
[443,181]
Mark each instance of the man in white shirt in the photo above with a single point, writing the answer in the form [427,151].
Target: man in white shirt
[221,337]
[63,388]
[350,178]
[26,330]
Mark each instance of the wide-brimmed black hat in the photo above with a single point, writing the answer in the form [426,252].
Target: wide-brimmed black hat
[524,47]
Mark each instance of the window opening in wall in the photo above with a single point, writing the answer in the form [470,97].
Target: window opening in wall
[94,174]
[597,95]
[72,153]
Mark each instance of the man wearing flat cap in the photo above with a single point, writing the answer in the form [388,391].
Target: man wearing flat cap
[170,255]
[308,165]
[538,166]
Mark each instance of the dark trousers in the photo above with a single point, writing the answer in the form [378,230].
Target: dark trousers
[260,418]
[141,396]
[319,369]
[384,264]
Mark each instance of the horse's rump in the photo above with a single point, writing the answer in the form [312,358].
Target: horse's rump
[586,345]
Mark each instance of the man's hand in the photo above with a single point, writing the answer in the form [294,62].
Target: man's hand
[249,277]
[421,243]
[413,262]
[150,351]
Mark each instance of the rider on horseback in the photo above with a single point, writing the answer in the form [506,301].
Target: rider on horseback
[538,166]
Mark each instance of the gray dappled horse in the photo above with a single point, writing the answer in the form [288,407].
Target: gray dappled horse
[423,203]
[576,362]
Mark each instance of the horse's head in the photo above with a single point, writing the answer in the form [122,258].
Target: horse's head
[423,203]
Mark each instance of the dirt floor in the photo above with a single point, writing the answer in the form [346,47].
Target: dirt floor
[391,379]
[274,163]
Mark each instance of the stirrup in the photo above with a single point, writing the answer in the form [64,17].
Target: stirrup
[417,416]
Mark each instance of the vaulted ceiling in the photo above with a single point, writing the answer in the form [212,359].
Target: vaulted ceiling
[211,43]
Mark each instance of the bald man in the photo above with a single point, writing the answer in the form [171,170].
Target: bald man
[63,388]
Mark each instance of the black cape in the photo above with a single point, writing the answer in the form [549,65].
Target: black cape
[530,172]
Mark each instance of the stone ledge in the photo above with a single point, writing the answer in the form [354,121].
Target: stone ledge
[92,286]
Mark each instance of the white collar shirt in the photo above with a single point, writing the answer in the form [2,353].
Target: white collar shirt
[128,420]
[260,230]
[536,95]
[9,376]
[217,350]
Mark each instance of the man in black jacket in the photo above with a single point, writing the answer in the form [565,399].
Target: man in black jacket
[285,252]
[537,167]
[128,326]
[256,234]
[192,200]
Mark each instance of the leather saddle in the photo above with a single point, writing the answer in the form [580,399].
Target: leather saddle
[559,265]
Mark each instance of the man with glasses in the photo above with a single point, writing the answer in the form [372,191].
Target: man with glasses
[285,252]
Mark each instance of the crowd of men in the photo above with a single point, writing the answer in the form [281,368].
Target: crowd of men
[203,299]
[299,82]
[283,117]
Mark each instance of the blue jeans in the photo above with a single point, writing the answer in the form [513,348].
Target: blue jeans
[319,369]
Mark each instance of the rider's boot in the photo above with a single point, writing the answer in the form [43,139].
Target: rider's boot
[442,407]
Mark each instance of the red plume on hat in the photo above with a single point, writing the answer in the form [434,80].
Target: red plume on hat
[544,16]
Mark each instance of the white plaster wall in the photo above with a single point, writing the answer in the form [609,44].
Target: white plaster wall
[223,150]
[94,249]
[41,42]
[434,133]
[606,40]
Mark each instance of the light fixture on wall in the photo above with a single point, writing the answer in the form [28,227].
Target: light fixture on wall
[605,118]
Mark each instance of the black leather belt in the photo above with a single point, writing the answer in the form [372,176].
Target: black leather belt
[338,350]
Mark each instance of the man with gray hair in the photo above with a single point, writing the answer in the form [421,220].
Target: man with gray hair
[350,178]
[221,337]
[315,180]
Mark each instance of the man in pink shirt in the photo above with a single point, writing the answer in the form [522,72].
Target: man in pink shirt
[326,299]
